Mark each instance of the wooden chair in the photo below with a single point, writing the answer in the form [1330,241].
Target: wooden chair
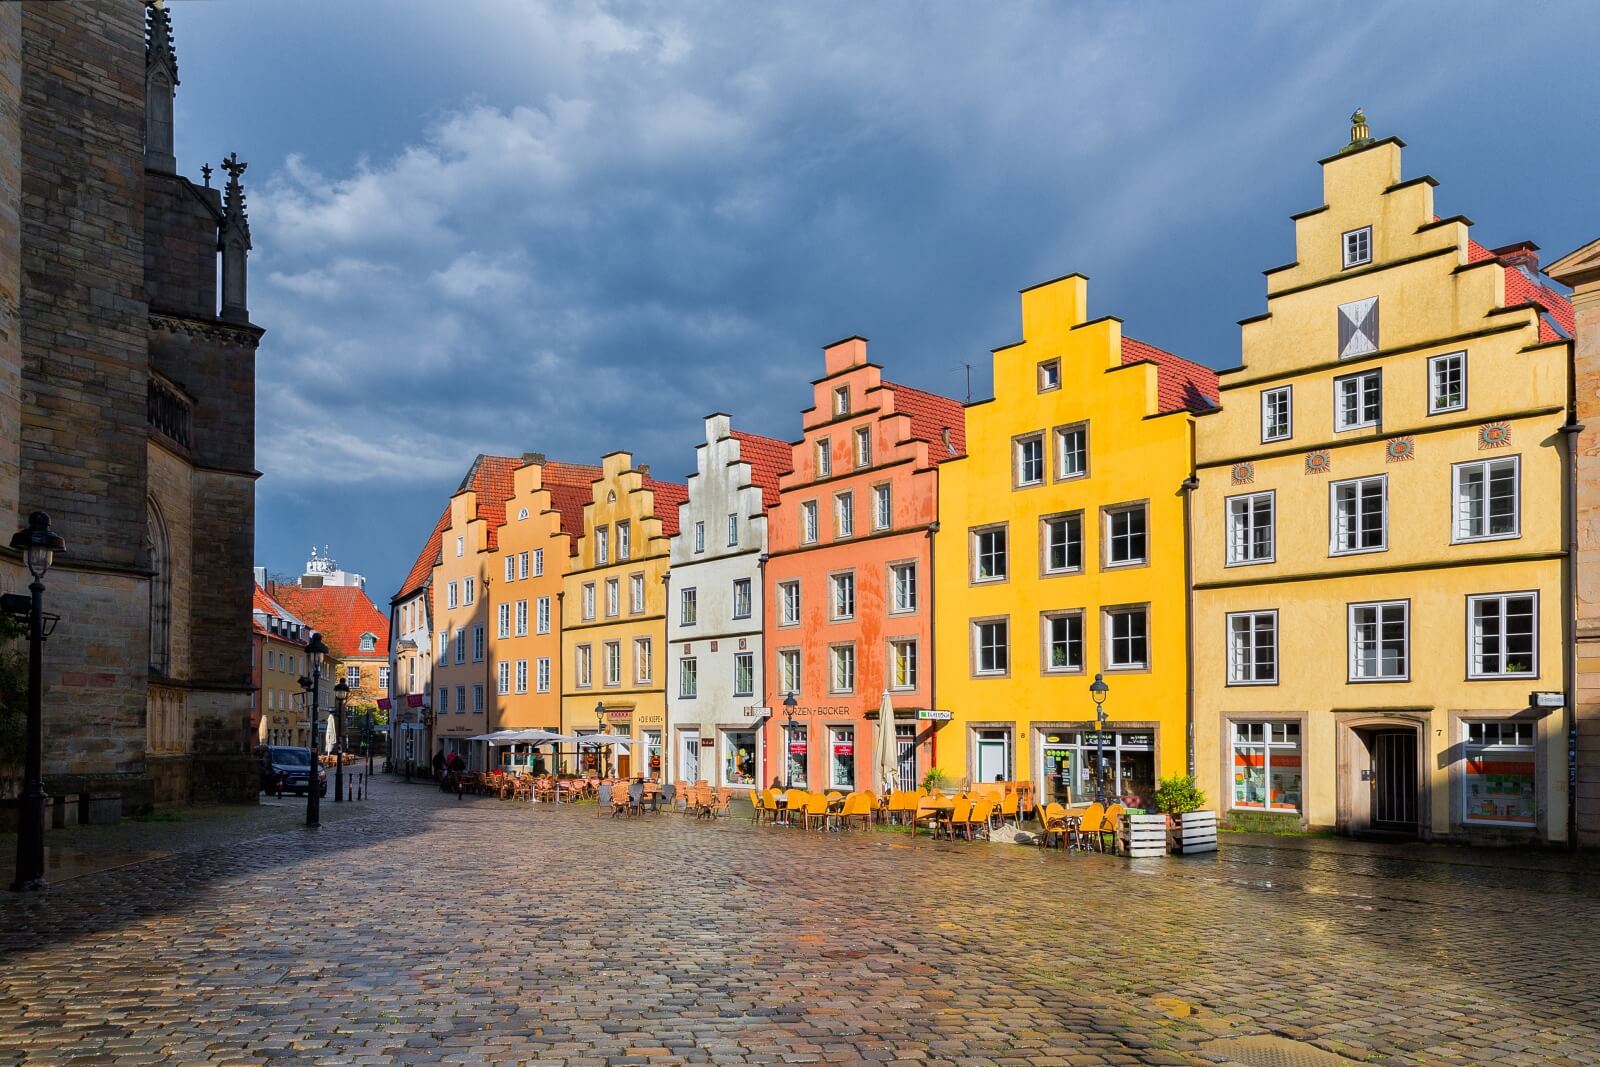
[721,803]
[816,810]
[929,811]
[1052,824]
[758,805]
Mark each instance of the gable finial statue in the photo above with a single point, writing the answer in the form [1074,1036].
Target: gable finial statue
[233,238]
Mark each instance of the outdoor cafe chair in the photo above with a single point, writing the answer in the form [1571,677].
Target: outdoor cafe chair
[1112,825]
[816,810]
[902,804]
[721,802]
[796,804]
[1053,823]
[758,806]
[858,806]
[931,810]
[978,819]
[1010,807]
[635,797]
[1090,825]
[959,816]
[835,799]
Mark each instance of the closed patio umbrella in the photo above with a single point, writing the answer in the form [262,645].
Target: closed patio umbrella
[886,750]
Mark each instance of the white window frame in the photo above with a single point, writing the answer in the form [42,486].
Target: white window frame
[542,674]
[1486,466]
[841,400]
[538,563]
[588,600]
[1241,671]
[503,676]
[1108,627]
[503,621]
[1381,606]
[844,514]
[1047,642]
[602,545]
[688,678]
[644,660]
[1049,375]
[733,530]
[863,446]
[1334,526]
[1268,398]
[1062,435]
[1047,525]
[688,606]
[542,615]
[635,594]
[903,652]
[478,643]
[824,458]
[1435,363]
[789,674]
[789,602]
[522,564]
[1363,422]
[1356,247]
[1475,669]
[1020,461]
[522,676]
[1243,516]
[469,591]
[998,650]
[808,522]
[612,662]
[841,596]
[613,597]
[882,506]
[902,594]
[1112,513]
[511,568]
[743,600]
[699,536]
[583,666]
[451,595]
[996,556]
[744,685]
[840,657]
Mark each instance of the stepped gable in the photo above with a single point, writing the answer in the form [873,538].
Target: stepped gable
[769,460]
[668,495]
[931,415]
[570,489]
[1181,385]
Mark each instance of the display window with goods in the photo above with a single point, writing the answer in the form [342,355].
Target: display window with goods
[1500,780]
[739,757]
[1267,760]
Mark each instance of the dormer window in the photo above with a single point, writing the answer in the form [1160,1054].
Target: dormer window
[1358,247]
[369,642]
[841,400]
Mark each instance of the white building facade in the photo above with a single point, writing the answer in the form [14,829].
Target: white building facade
[716,696]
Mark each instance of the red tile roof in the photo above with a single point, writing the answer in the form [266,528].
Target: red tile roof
[341,614]
[932,414]
[1181,385]
[263,603]
[427,559]
[491,478]
[571,487]
[1523,287]
[668,495]
[769,458]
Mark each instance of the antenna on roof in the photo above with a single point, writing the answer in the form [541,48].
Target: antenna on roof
[968,365]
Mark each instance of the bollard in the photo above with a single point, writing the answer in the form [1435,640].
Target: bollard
[363,794]
[350,787]
[283,777]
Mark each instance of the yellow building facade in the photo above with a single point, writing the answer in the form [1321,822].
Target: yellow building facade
[1379,530]
[1060,555]
[613,616]
[461,615]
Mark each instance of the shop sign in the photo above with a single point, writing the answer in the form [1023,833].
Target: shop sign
[797,748]
[1053,739]
[619,714]
[844,748]
[934,714]
[752,711]
[820,713]
[1547,700]
[708,742]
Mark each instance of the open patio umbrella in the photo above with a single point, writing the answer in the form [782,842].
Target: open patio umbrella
[886,749]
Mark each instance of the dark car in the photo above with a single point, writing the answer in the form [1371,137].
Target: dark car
[294,764]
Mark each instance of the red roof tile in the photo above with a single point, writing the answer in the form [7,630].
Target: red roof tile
[668,495]
[427,559]
[1523,287]
[341,613]
[571,487]
[932,414]
[491,478]
[1181,385]
[263,603]
[769,458]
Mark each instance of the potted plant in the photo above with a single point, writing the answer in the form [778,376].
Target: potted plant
[1192,828]
[935,780]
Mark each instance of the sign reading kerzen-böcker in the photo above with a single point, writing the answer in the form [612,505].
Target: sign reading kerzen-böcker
[820,713]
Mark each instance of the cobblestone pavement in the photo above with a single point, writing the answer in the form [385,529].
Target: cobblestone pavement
[422,929]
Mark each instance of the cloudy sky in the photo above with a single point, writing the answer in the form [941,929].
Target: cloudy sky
[509,225]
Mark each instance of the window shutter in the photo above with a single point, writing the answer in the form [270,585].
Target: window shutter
[1358,327]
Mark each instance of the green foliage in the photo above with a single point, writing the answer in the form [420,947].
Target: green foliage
[935,779]
[1177,794]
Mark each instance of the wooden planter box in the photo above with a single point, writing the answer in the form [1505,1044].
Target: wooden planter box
[1194,832]
[1143,836]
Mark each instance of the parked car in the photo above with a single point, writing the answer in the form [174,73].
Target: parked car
[292,763]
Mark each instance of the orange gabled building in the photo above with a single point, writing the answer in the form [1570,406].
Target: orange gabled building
[848,583]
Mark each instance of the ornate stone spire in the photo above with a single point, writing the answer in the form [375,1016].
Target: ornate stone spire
[233,238]
[160,85]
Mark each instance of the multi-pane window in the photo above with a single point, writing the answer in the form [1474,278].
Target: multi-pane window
[383,678]
[1029,459]
[543,614]
[744,674]
[1126,533]
[538,563]
[1063,542]
[808,522]
[644,663]
[789,603]
[477,698]
[583,666]
[469,590]
[1380,641]
[602,545]
[989,554]
[613,662]
[1253,648]
[461,546]
[903,664]
[842,668]
[522,564]
[352,677]
[613,597]
[688,606]
[504,620]
[1358,247]
[522,676]
[1360,515]
[863,437]
[1447,382]
[444,646]
[1500,785]
[741,598]
[461,700]
[542,674]
[688,678]
[841,400]
[789,671]
[902,587]
[1503,635]
[624,541]
[588,600]
[882,508]
[443,700]
[477,644]
[1357,400]
[699,536]
[1063,641]
[1072,451]
[461,646]
[844,594]
[991,646]
[451,595]
[1266,765]
[824,458]
[1127,638]
[522,617]
[511,568]
[844,514]
[503,678]
[733,531]
[1487,499]
[1049,375]
[1250,528]
[1277,413]
[636,594]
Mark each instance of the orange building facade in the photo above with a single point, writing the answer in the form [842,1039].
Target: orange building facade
[848,584]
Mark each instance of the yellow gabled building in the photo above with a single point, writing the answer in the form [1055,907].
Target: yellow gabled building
[1380,529]
[1060,555]
[613,616]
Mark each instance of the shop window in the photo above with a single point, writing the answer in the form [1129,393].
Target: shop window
[1070,762]
[738,757]
[795,747]
[842,757]
[1500,781]
[1266,766]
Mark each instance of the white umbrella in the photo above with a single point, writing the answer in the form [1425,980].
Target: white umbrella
[327,736]
[886,752]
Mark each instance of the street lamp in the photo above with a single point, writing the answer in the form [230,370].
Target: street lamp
[368,733]
[38,545]
[341,693]
[1099,690]
[315,650]
[789,703]
[600,729]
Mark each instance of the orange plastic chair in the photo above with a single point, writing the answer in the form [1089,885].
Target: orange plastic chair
[816,809]
[960,814]
[978,818]
[1052,823]
[858,806]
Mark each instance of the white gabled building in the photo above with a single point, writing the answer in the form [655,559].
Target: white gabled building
[716,698]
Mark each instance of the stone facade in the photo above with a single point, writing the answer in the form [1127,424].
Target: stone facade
[126,410]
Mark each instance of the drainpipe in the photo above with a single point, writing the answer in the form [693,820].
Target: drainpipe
[666,704]
[933,637]
[766,682]
[561,665]
[1569,599]
[1190,484]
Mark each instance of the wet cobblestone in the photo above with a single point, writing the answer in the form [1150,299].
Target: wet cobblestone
[420,929]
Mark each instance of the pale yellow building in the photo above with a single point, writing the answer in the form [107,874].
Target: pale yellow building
[1379,540]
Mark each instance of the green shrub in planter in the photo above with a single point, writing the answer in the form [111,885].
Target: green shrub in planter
[1178,794]
[935,779]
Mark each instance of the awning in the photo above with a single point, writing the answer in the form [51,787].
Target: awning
[523,737]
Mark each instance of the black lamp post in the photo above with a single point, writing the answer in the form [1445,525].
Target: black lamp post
[789,703]
[315,650]
[1099,690]
[341,693]
[600,729]
[38,545]
[370,733]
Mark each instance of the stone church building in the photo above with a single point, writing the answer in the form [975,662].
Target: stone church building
[127,406]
